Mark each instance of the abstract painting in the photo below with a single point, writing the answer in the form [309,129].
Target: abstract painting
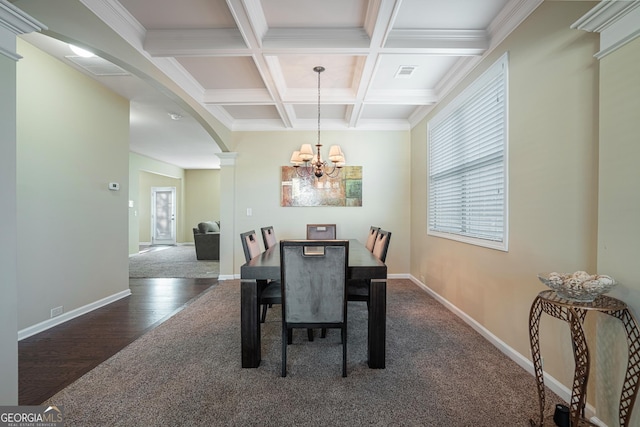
[343,190]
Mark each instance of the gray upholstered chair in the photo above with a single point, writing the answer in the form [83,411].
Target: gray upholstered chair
[358,289]
[268,237]
[321,231]
[371,238]
[269,291]
[314,289]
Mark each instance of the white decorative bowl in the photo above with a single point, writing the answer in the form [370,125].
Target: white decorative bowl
[579,286]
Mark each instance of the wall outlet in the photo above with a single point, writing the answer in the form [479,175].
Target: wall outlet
[56,311]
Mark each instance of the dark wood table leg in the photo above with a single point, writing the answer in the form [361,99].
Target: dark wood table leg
[250,324]
[377,324]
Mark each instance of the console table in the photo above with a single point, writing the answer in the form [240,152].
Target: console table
[574,312]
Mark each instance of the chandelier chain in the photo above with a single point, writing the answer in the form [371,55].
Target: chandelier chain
[319,70]
[314,165]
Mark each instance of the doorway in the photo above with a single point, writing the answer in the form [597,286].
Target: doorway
[163,215]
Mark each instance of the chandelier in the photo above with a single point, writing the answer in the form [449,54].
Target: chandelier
[309,164]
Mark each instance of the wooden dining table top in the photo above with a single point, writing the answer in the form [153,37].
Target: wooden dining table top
[362,264]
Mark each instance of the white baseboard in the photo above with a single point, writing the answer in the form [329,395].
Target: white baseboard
[228,277]
[58,320]
[554,385]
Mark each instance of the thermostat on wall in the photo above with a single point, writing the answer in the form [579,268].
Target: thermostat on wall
[114,186]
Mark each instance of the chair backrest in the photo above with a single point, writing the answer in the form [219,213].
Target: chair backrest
[321,231]
[371,238]
[382,245]
[250,244]
[313,280]
[268,237]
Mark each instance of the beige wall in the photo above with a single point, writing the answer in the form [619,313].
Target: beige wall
[553,178]
[202,198]
[72,140]
[618,214]
[384,157]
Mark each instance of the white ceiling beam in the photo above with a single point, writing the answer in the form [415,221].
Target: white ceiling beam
[381,15]
[278,38]
[455,41]
[250,19]
[329,96]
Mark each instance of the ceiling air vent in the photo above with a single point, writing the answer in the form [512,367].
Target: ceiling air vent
[405,71]
[97,66]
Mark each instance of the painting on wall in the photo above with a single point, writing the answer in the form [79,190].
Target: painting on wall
[343,190]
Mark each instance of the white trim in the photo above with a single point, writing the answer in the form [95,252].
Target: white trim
[227,158]
[617,22]
[58,320]
[13,22]
[554,385]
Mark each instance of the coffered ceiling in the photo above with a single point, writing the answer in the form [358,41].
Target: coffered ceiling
[250,62]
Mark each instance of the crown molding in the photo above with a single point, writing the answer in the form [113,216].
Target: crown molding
[14,22]
[510,18]
[617,21]
[227,158]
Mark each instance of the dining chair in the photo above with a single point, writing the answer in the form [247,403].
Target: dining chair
[358,289]
[381,246]
[269,292]
[313,276]
[268,237]
[321,231]
[371,238]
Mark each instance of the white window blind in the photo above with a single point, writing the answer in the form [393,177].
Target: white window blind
[467,162]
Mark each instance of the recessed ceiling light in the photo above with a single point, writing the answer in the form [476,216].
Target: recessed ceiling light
[81,52]
[405,71]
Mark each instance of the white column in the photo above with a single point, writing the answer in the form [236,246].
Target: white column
[228,232]
[12,22]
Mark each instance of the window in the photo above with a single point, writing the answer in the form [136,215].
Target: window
[467,161]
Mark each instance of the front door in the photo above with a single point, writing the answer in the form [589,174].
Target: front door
[163,215]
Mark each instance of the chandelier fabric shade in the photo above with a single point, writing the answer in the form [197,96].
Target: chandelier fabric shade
[308,163]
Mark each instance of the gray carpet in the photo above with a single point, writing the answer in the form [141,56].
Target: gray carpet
[187,372]
[172,262]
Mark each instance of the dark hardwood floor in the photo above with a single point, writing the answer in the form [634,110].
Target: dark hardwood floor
[53,359]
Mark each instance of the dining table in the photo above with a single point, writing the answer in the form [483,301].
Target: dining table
[266,266]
